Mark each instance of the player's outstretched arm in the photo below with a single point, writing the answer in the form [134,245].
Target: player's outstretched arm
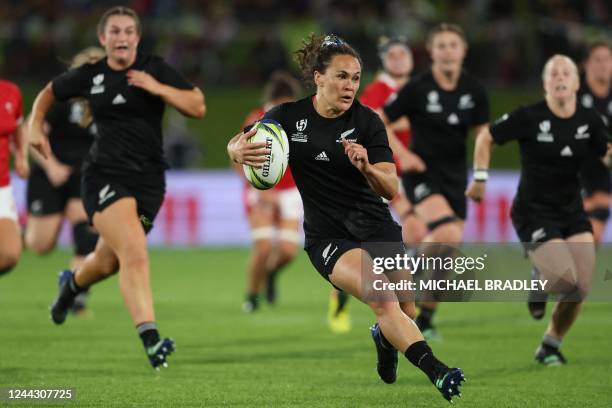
[190,102]
[482,158]
[36,134]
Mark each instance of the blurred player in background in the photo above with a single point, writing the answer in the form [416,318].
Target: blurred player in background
[443,105]
[595,92]
[555,136]
[397,65]
[123,182]
[343,166]
[274,215]
[54,185]
[12,138]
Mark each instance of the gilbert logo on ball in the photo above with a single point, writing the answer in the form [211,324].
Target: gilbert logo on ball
[273,169]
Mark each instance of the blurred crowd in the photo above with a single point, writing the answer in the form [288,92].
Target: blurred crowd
[221,43]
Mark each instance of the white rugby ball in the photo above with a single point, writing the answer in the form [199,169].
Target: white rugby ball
[271,132]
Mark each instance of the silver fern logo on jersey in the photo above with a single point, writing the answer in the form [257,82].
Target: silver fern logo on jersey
[545,135]
[97,87]
[582,132]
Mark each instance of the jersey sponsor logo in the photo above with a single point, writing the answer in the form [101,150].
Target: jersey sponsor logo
[581,132]
[545,135]
[105,194]
[587,101]
[538,235]
[453,119]
[9,108]
[421,191]
[97,87]
[119,99]
[567,152]
[326,255]
[433,104]
[466,102]
[300,125]
[322,156]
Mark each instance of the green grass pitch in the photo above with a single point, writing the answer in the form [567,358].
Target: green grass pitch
[277,357]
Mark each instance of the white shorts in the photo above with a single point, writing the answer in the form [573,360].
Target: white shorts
[8,209]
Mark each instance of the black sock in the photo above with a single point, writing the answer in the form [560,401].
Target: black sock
[72,285]
[343,298]
[422,357]
[148,334]
[424,318]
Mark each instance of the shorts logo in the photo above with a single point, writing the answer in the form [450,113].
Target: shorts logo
[105,194]
[538,235]
[145,221]
[300,125]
[326,255]
[421,191]
[97,87]
[433,104]
[545,135]
[36,207]
[581,132]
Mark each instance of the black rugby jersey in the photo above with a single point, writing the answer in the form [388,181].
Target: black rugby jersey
[69,141]
[552,152]
[439,119]
[128,118]
[338,201]
[587,99]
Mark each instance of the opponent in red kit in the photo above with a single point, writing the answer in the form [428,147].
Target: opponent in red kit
[11,118]
[274,215]
[397,64]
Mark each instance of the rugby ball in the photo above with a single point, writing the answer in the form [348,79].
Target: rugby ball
[271,132]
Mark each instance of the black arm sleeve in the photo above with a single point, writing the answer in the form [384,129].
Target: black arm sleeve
[601,135]
[509,127]
[403,105]
[165,74]
[71,84]
[377,142]
[481,108]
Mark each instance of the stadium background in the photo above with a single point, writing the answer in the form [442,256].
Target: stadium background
[285,356]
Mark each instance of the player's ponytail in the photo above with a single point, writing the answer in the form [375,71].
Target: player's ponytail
[316,53]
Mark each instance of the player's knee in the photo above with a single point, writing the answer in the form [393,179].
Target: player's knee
[38,245]
[262,248]
[84,238]
[287,251]
[446,230]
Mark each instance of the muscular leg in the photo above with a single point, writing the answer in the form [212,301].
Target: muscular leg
[121,229]
[75,214]
[598,205]
[261,220]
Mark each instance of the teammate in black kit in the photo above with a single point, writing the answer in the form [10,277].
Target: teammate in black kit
[123,175]
[54,185]
[342,165]
[555,136]
[596,92]
[443,105]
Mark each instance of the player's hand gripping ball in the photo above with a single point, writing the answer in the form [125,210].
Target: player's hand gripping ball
[273,169]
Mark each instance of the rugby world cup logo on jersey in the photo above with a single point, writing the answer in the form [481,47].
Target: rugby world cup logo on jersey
[545,135]
[298,136]
[433,103]
[582,132]
[97,87]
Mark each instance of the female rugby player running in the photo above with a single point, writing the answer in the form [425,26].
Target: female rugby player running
[555,137]
[342,165]
[11,132]
[54,186]
[443,105]
[123,176]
